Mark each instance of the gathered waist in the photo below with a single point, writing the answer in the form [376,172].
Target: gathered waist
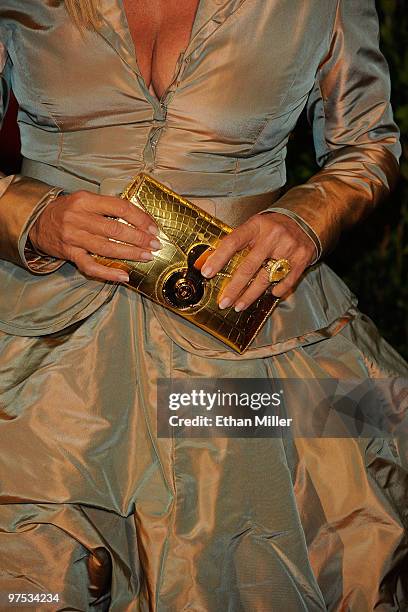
[232,210]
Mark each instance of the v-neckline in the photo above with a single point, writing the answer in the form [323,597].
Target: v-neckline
[210,15]
[153,96]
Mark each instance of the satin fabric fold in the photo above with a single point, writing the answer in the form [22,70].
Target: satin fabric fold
[218,523]
[93,505]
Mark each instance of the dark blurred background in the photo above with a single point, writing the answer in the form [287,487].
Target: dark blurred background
[372,258]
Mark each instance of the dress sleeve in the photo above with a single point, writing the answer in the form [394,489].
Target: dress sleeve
[356,140]
[22,200]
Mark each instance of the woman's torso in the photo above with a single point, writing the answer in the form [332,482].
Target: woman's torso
[220,129]
[88,120]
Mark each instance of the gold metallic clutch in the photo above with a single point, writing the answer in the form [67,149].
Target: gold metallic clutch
[171,279]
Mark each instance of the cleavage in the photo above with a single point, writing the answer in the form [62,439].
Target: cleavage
[161,31]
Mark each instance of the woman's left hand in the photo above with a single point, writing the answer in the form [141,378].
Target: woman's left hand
[269,235]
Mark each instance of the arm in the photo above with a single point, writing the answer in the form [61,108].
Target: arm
[357,146]
[355,137]
[34,221]
[22,200]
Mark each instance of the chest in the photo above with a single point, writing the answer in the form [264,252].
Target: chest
[248,65]
[160,31]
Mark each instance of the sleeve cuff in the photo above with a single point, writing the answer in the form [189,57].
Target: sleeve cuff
[21,203]
[32,259]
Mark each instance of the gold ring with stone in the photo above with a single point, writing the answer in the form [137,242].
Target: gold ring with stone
[277,269]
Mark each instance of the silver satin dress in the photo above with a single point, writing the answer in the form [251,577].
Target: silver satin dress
[94,506]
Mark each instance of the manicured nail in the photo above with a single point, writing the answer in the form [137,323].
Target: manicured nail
[153,230]
[206,271]
[123,277]
[155,244]
[146,256]
[225,302]
[240,306]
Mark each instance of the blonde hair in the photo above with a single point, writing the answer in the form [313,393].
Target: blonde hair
[83,12]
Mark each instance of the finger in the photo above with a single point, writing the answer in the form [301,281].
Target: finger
[89,267]
[241,277]
[261,283]
[108,248]
[299,260]
[228,246]
[116,230]
[200,261]
[117,207]
[257,288]
[285,286]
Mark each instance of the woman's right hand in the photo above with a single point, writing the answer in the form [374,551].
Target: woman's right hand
[73,226]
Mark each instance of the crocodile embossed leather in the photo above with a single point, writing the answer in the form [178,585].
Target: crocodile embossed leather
[171,279]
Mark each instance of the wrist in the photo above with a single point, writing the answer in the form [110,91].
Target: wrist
[32,239]
[33,242]
[300,222]
[35,258]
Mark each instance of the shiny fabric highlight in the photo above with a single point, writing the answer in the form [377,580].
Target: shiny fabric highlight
[212,526]
[93,505]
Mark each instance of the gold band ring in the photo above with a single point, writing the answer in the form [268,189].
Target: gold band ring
[277,269]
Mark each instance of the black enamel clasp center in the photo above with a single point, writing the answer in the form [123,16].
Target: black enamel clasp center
[185,287]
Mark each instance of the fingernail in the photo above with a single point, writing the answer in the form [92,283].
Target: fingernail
[146,256]
[225,302]
[206,271]
[123,277]
[240,306]
[155,244]
[153,230]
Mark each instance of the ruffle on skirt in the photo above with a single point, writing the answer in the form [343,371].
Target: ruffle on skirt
[95,507]
[48,304]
